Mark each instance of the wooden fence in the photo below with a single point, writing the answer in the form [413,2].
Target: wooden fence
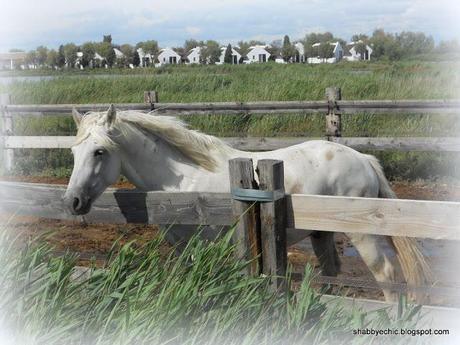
[262,229]
[333,107]
[393,217]
[424,219]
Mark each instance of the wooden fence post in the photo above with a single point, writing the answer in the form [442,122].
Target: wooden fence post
[273,221]
[333,117]
[247,232]
[151,97]
[7,129]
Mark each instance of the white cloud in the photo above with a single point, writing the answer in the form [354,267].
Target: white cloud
[193,30]
[28,23]
[141,21]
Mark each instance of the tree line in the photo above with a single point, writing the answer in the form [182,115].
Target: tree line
[385,46]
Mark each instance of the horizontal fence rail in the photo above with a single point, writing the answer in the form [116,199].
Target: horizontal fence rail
[267,144]
[120,206]
[334,107]
[393,217]
[347,107]
[440,317]
[342,282]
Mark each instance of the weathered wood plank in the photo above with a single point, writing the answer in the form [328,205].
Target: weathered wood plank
[447,144]
[404,106]
[333,116]
[437,317]
[120,206]
[273,222]
[436,290]
[41,142]
[267,144]
[66,109]
[393,217]
[150,97]
[247,231]
[7,130]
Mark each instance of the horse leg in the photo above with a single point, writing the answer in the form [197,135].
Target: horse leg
[378,262]
[325,251]
[324,248]
[178,236]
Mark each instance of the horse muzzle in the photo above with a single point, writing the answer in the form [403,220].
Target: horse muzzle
[77,204]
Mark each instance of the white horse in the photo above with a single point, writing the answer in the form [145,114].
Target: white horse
[160,153]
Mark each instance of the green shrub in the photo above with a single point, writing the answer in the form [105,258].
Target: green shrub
[140,297]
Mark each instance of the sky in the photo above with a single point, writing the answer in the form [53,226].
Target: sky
[26,24]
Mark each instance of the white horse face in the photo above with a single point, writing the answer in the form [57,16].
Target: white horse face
[95,168]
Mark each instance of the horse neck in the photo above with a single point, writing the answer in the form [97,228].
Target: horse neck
[151,163]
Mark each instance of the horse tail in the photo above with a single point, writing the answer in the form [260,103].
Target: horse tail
[416,269]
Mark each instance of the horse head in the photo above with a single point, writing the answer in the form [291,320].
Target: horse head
[96,164]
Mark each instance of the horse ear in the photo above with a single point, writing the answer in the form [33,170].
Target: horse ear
[76,116]
[111,115]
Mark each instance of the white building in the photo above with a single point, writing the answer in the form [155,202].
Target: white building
[146,59]
[78,60]
[98,57]
[194,56]
[236,56]
[257,54]
[300,52]
[97,60]
[118,53]
[168,56]
[352,55]
[12,60]
[337,54]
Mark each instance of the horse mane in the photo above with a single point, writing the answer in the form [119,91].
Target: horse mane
[201,148]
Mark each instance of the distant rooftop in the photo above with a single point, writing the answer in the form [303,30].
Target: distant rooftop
[13,56]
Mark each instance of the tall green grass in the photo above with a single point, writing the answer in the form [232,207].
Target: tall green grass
[139,297]
[404,80]
[397,165]
[256,82]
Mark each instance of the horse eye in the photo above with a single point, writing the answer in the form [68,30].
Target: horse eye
[99,152]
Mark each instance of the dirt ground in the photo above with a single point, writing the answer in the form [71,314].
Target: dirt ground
[95,240]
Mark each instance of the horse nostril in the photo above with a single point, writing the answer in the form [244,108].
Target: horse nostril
[76,203]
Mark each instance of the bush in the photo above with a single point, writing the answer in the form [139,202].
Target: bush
[139,297]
